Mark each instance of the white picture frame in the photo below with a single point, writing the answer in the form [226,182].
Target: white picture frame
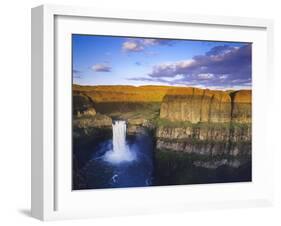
[52,197]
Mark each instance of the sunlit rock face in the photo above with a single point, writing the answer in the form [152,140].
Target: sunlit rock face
[196,105]
[88,112]
[220,107]
[242,106]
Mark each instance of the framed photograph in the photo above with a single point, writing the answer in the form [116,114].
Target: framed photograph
[137,112]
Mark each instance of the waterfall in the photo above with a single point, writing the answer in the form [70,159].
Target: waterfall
[119,137]
[120,152]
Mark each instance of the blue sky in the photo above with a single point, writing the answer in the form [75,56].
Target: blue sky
[109,60]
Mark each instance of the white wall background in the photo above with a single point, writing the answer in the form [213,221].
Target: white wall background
[15,112]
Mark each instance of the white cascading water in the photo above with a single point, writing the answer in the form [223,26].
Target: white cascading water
[119,137]
[121,151]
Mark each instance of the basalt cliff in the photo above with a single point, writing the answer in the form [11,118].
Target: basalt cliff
[202,105]
[205,122]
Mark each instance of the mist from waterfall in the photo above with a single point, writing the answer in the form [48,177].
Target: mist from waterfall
[121,152]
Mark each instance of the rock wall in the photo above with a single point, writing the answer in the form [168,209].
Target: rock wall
[87,122]
[242,106]
[225,140]
[197,105]
[205,133]
[81,104]
[206,122]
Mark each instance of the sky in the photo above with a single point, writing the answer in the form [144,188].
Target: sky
[111,60]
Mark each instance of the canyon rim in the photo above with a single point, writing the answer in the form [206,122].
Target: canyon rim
[157,112]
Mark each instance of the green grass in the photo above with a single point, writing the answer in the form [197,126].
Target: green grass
[148,112]
[160,122]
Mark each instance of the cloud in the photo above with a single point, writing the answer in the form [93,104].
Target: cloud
[222,66]
[154,41]
[206,76]
[101,68]
[132,46]
[139,44]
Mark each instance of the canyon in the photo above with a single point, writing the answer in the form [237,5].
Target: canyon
[212,125]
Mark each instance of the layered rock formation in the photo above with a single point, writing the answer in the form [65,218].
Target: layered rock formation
[214,141]
[204,132]
[197,105]
[97,120]
[86,121]
[242,106]
[205,122]
[81,103]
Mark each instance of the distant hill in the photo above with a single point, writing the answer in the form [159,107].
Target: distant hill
[149,93]
[121,93]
